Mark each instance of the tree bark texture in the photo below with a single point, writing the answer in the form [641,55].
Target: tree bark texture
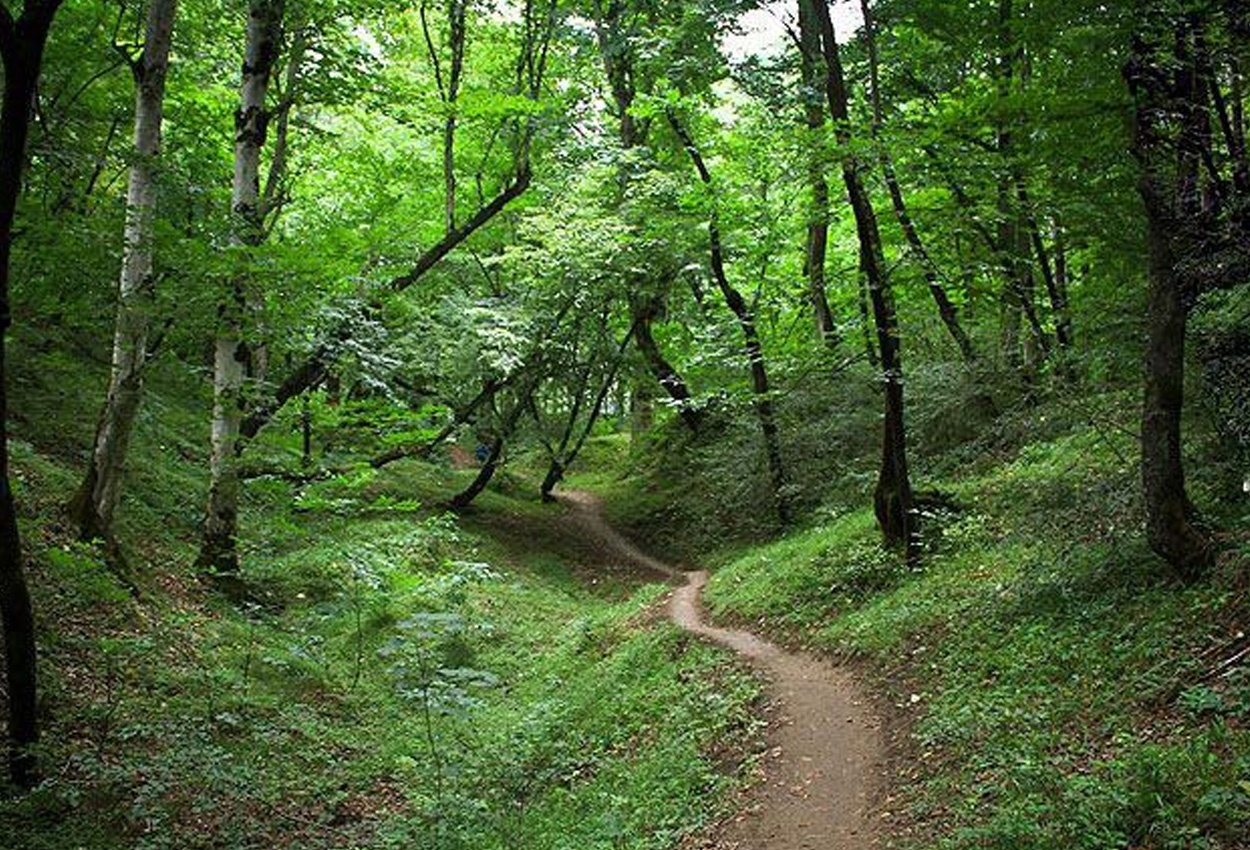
[22,42]
[1171,518]
[100,492]
[219,553]
[1170,134]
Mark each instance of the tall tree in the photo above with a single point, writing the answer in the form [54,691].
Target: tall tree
[233,353]
[763,400]
[892,498]
[1195,187]
[22,42]
[618,26]
[97,497]
[816,251]
[947,310]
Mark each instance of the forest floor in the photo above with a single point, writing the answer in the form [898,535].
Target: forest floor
[819,777]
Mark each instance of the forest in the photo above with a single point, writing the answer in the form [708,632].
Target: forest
[648,424]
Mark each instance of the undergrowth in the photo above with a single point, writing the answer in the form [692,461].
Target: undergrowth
[398,678]
[1060,689]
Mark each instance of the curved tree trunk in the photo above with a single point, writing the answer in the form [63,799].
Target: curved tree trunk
[21,49]
[97,498]
[763,401]
[642,314]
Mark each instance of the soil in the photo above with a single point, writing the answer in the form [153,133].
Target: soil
[826,753]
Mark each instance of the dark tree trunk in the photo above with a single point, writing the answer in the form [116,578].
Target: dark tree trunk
[893,500]
[817,248]
[1193,246]
[642,312]
[466,496]
[1170,516]
[946,308]
[617,55]
[763,402]
[563,458]
[21,48]
[1059,291]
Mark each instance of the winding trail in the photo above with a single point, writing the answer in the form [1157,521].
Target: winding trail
[825,755]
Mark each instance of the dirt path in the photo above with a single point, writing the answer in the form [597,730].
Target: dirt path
[826,750]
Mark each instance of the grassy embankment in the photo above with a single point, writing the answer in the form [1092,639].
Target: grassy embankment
[401,679]
[1055,688]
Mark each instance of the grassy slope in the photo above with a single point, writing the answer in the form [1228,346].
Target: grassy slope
[1058,688]
[403,680]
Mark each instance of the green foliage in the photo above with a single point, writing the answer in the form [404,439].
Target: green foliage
[399,679]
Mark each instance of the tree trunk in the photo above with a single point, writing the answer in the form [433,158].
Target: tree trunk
[563,458]
[465,497]
[616,54]
[1059,296]
[946,308]
[817,248]
[1170,516]
[1181,232]
[21,49]
[642,313]
[763,401]
[892,499]
[97,498]
[218,552]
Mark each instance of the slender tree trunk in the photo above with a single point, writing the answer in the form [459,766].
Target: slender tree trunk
[642,313]
[219,553]
[946,308]
[97,498]
[1057,284]
[465,497]
[892,499]
[616,54]
[763,402]
[22,44]
[865,319]
[563,458]
[817,248]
